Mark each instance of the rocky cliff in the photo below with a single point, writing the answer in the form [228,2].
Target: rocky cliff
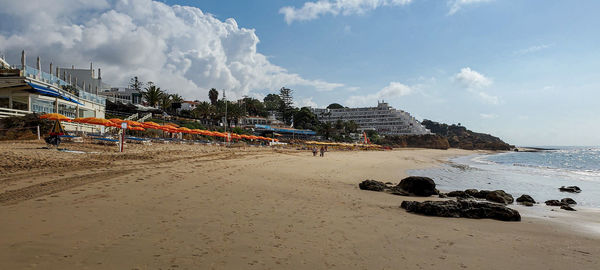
[460,137]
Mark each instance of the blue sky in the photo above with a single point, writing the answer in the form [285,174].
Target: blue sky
[526,71]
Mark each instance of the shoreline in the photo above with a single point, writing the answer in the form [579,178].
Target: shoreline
[192,206]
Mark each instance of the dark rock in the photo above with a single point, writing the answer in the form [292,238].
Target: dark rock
[568,201]
[418,185]
[482,194]
[554,203]
[395,190]
[458,193]
[389,183]
[527,203]
[525,198]
[443,195]
[572,189]
[471,192]
[500,196]
[567,207]
[372,185]
[463,208]
[433,208]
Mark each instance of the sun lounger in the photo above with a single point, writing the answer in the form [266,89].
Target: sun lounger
[138,140]
[71,138]
[106,141]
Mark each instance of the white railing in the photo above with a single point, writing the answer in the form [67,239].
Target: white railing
[6,112]
[131,117]
[146,117]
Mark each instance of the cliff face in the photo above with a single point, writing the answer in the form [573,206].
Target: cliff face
[433,141]
[461,137]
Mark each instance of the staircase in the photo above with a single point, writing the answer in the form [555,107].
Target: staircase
[145,117]
[131,117]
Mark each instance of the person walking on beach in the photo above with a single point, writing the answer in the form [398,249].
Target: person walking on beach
[314,150]
[322,151]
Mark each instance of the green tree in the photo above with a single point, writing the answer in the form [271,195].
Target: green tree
[213,95]
[165,102]
[204,110]
[273,102]
[287,102]
[335,106]
[152,94]
[305,119]
[254,107]
[135,84]
[176,98]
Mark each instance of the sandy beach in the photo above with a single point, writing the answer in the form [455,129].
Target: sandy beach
[209,207]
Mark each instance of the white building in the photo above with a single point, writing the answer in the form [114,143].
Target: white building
[188,105]
[123,95]
[26,90]
[384,119]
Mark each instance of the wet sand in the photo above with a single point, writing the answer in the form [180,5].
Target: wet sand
[205,207]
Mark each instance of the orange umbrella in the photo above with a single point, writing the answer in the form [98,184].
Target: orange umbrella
[117,120]
[55,116]
[150,123]
[80,120]
[98,121]
[184,130]
[137,128]
[133,123]
[171,124]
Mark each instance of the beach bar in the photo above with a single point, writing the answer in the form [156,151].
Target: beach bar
[25,90]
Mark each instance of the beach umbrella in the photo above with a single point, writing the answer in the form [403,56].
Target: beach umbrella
[171,124]
[150,123]
[55,116]
[137,128]
[117,120]
[80,120]
[133,123]
[98,121]
[184,130]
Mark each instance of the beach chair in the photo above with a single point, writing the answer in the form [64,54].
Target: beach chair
[138,140]
[105,141]
[71,138]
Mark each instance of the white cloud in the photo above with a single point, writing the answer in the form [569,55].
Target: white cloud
[312,10]
[472,79]
[456,5]
[306,102]
[533,49]
[180,48]
[393,90]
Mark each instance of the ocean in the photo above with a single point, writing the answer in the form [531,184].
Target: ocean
[538,174]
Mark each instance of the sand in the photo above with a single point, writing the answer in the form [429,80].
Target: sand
[206,207]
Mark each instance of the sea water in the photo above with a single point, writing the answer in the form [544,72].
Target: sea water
[538,174]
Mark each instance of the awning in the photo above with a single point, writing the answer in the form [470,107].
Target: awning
[49,92]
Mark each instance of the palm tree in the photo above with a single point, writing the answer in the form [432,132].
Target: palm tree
[213,95]
[176,98]
[152,95]
[165,102]
[204,110]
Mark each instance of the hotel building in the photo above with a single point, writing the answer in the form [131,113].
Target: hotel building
[26,90]
[384,119]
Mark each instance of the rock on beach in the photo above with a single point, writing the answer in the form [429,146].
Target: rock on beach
[462,208]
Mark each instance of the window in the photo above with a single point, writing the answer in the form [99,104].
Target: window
[86,113]
[4,102]
[20,103]
[41,105]
[67,110]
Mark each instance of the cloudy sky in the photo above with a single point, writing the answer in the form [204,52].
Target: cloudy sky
[526,71]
